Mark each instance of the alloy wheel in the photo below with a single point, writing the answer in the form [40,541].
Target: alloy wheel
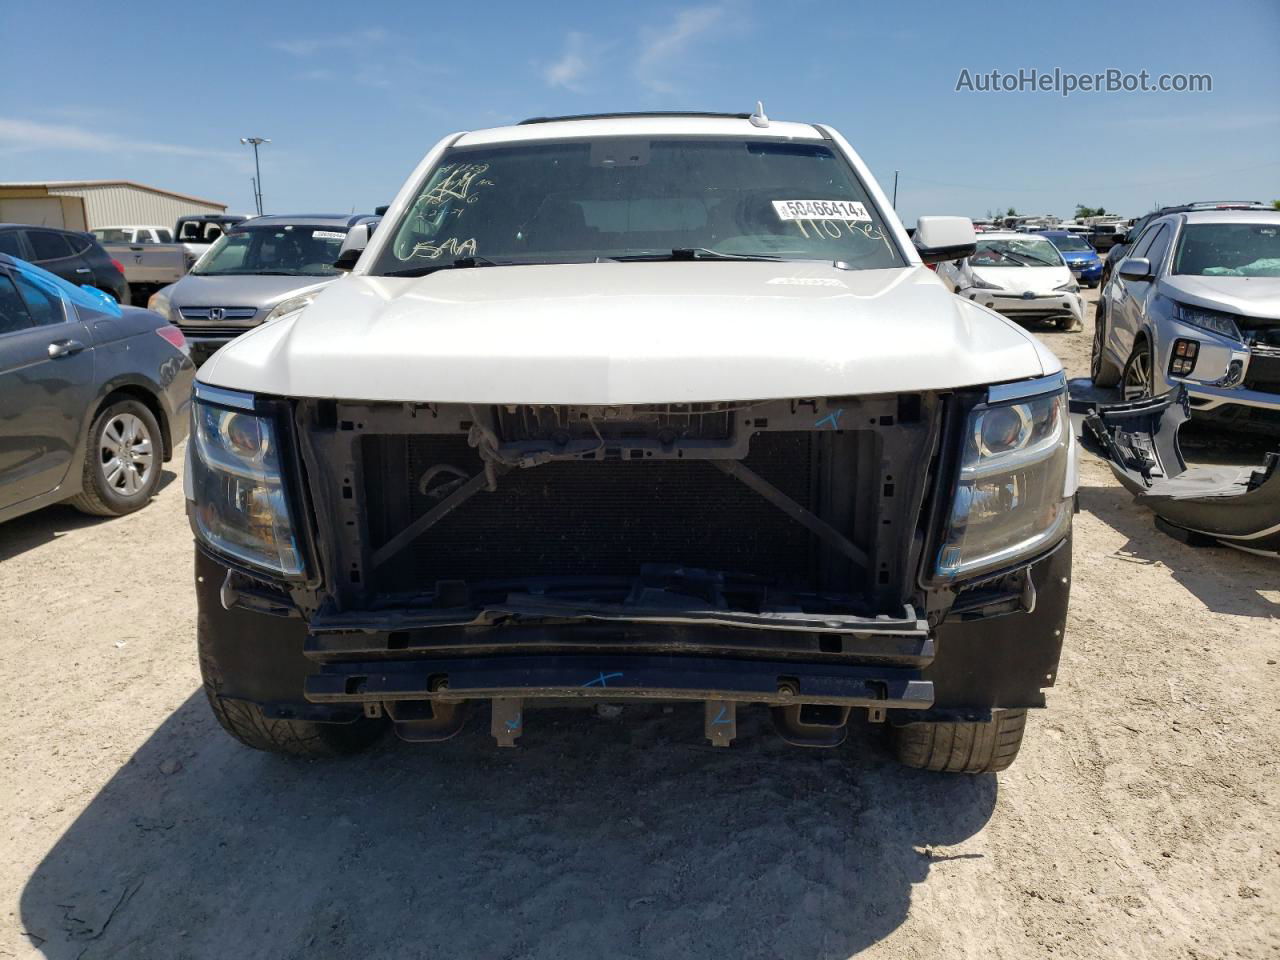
[1136,384]
[125,454]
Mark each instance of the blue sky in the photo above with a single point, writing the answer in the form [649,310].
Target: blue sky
[352,94]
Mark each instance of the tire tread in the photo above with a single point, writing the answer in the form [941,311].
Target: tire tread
[959,747]
[300,738]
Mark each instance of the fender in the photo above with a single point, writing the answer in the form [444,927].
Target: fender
[135,381]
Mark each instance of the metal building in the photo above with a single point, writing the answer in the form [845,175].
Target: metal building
[86,204]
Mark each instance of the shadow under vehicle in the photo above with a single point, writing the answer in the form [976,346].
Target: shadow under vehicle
[653,846]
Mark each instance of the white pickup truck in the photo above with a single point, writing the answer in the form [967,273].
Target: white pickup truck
[635,409]
[150,256]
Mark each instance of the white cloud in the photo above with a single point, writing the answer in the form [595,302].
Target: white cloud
[572,66]
[309,46]
[663,46]
[25,135]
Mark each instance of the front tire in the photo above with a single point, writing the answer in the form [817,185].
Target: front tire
[121,461]
[959,747]
[1137,382]
[1102,371]
[246,722]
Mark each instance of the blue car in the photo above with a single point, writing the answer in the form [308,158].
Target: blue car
[1082,259]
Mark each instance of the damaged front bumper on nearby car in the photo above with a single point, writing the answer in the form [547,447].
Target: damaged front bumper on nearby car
[1232,506]
[1029,306]
[907,555]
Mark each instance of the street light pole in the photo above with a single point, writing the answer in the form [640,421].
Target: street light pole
[895,189]
[256,141]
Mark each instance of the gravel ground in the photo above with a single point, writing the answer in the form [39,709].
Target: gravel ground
[1140,820]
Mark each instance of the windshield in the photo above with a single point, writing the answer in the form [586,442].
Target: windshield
[1072,245]
[292,251]
[1028,251]
[618,197]
[1229,250]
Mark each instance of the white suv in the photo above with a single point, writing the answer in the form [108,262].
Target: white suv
[635,408]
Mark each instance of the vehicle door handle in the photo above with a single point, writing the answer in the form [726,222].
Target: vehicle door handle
[64,348]
[83,270]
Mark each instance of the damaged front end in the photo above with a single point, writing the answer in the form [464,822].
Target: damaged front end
[1203,505]
[902,554]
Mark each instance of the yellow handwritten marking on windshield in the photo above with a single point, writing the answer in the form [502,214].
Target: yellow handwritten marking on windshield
[457,184]
[434,251]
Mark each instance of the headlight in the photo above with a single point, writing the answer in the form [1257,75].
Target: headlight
[291,305]
[977,283]
[239,505]
[1010,496]
[159,303]
[1222,323]
[1070,287]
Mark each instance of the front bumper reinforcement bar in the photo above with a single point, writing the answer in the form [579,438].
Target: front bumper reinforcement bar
[621,678]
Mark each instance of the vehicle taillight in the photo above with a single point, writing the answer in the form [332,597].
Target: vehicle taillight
[173,335]
[119,266]
[932,266]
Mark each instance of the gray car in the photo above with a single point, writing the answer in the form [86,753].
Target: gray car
[1196,301]
[93,396]
[261,269]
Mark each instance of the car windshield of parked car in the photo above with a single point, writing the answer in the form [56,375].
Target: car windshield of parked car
[1016,252]
[1228,250]
[1072,244]
[287,251]
[619,198]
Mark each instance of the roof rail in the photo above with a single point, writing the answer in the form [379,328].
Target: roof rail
[641,113]
[1224,203]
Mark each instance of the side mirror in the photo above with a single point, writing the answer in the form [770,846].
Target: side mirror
[944,238]
[382,210]
[357,239]
[1136,268]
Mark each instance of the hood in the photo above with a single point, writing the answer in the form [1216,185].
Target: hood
[240,291]
[1072,255]
[1250,296]
[1039,280]
[601,333]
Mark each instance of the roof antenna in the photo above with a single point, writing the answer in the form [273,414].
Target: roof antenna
[758,119]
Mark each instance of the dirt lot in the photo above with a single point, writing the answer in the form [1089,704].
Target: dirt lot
[1140,821]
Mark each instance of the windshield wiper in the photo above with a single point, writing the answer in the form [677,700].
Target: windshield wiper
[1020,257]
[459,264]
[695,253]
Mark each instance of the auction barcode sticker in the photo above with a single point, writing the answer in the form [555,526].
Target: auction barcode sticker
[328,235]
[820,210]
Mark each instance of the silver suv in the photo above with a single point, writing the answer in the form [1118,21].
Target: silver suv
[1196,301]
[260,269]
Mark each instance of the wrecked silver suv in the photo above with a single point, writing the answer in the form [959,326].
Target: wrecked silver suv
[639,408]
